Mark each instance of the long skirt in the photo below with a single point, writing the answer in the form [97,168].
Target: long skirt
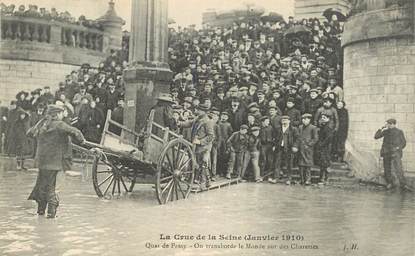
[44,190]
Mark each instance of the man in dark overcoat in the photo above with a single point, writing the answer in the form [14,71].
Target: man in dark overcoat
[266,135]
[307,138]
[286,145]
[94,123]
[53,138]
[224,132]
[393,144]
[118,116]
[324,146]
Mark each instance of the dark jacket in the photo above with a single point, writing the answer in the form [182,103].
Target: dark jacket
[224,131]
[237,142]
[324,145]
[291,135]
[308,137]
[312,105]
[393,141]
[202,130]
[343,130]
[254,143]
[112,99]
[267,135]
[53,144]
[237,118]
[163,115]
[93,124]
[332,113]
[295,116]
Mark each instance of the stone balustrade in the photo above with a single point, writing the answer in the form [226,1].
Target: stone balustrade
[55,32]
[37,39]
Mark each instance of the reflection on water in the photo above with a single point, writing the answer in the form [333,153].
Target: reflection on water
[381,223]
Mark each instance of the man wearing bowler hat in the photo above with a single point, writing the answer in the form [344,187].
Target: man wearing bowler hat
[393,144]
[286,140]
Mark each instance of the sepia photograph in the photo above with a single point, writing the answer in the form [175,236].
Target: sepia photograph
[207,127]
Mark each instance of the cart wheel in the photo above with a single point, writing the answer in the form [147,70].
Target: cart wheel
[175,171]
[111,178]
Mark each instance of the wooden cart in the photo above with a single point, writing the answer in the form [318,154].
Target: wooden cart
[123,157]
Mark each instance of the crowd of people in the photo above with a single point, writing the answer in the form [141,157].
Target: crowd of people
[272,89]
[33,11]
[86,94]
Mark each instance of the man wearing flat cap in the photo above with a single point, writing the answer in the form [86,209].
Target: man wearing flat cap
[267,143]
[223,133]
[202,135]
[393,144]
[53,139]
[237,145]
[252,156]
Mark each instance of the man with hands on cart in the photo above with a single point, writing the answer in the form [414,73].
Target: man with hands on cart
[202,135]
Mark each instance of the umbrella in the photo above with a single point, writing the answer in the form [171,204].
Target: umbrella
[297,30]
[328,13]
[272,17]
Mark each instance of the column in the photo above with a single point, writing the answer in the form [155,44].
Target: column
[149,31]
[148,74]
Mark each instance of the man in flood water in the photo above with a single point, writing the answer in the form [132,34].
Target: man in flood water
[393,144]
[53,138]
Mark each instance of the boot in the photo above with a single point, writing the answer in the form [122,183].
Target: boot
[301,176]
[22,165]
[326,175]
[41,208]
[308,177]
[52,211]
[322,174]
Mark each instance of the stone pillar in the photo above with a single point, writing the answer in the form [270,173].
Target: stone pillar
[148,74]
[112,26]
[379,82]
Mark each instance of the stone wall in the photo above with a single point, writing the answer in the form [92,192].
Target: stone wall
[315,8]
[17,75]
[379,82]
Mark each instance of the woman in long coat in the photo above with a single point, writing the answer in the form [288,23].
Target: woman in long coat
[21,141]
[12,115]
[53,138]
[341,134]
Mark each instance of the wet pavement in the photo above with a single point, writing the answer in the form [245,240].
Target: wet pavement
[331,220]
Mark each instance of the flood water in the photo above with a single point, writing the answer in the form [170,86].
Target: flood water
[349,220]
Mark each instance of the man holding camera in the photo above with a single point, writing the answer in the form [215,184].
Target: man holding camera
[393,144]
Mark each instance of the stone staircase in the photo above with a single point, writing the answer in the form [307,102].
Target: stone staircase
[338,173]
